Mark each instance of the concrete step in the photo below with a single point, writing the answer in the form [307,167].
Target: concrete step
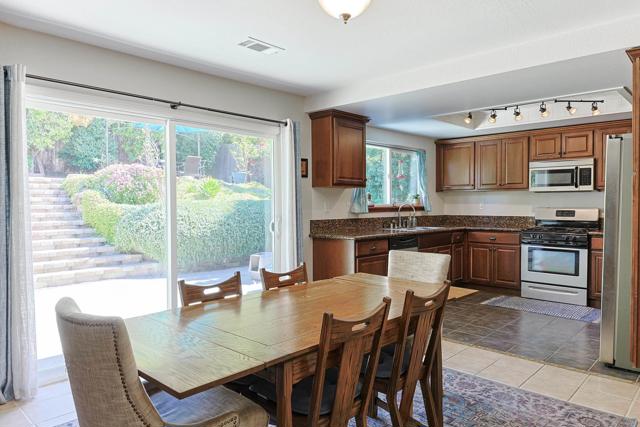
[51,215]
[61,278]
[43,192]
[49,209]
[85,262]
[45,179]
[64,254]
[50,200]
[78,242]
[48,224]
[62,233]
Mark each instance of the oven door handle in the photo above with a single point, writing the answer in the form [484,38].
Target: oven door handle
[576,178]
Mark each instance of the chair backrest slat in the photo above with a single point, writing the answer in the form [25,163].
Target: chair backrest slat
[351,339]
[192,293]
[271,280]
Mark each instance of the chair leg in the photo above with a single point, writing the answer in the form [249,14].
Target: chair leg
[394,411]
[361,421]
[429,403]
[373,406]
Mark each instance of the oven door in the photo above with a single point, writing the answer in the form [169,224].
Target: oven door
[555,266]
[554,179]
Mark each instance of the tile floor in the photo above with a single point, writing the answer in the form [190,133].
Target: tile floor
[54,404]
[552,340]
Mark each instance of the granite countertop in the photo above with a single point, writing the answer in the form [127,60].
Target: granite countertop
[359,234]
[596,233]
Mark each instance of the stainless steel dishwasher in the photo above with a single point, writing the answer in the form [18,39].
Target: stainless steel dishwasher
[404,243]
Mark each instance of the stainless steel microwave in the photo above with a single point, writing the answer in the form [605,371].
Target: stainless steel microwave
[570,175]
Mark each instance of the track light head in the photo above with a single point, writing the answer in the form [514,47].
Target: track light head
[517,115]
[544,111]
[571,110]
[493,117]
[468,119]
[595,111]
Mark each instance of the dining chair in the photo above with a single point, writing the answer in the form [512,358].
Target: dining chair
[411,359]
[271,280]
[108,393]
[337,392]
[192,294]
[419,266]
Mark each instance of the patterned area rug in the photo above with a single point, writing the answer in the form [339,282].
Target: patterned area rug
[566,311]
[471,401]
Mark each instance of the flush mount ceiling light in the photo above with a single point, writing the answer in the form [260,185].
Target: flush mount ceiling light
[517,115]
[595,111]
[345,9]
[493,117]
[544,111]
[468,119]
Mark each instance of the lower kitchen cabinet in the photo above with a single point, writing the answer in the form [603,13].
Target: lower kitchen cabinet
[457,262]
[596,256]
[480,263]
[494,259]
[506,266]
[376,264]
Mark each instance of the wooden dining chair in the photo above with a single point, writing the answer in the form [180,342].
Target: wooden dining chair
[192,294]
[419,266]
[411,359]
[337,392]
[271,280]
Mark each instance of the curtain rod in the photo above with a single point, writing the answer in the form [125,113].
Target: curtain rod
[173,104]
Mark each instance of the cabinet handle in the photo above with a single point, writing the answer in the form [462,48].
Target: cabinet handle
[492,238]
[373,248]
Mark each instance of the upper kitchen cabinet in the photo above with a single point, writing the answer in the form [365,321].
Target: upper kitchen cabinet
[488,155]
[561,145]
[338,149]
[514,163]
[455,166]
[600,137]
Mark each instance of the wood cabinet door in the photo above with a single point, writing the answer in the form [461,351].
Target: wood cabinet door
[349,163]
[577,144]
[595,278]
[545,147]
[488,161]
[480,263]
[514,172]
[506,266]
[457,166]
[372,264]
[457,262]
[600,137]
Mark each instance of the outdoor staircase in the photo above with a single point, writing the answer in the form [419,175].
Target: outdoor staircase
[65,250]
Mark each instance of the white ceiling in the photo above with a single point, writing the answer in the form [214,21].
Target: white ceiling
[395,49]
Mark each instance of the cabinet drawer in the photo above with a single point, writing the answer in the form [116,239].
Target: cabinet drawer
[457,237]
[372,247]
[500,238]
[597,243]
[433,240]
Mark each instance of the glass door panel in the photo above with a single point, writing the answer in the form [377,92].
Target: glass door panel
[98,197]
[223,205]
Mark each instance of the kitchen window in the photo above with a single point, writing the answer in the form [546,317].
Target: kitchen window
[392,175]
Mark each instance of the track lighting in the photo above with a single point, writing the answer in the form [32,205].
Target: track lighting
[468,119]
[493,117]
[570,109]
[517,115]
[595,111]
[544,111]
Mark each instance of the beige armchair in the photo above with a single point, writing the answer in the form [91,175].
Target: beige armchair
[107,391]
[419,266]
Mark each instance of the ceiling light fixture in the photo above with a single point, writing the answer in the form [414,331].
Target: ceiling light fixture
[468,119]
[595,111]
[517,115]
[571,110]
[544,111]
[345,10]
[493,117]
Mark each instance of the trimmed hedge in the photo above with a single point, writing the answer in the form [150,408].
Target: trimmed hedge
[101,214]
[129,184]
[75,183]
[210,233]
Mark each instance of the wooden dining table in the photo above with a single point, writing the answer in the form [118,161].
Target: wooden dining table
[192,349]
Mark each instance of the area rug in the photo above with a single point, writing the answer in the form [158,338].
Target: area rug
[566,311]
[472,401]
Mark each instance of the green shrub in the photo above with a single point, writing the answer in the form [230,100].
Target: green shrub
[210,234]
[211,187]
[134,184]
[75,183]
[101,214]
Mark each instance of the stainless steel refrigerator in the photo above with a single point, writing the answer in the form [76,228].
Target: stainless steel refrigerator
[615,334]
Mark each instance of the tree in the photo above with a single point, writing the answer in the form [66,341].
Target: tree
[46,131]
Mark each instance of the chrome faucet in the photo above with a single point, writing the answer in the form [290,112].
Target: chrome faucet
[411,222]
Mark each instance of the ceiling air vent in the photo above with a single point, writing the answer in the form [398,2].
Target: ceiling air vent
[261,46]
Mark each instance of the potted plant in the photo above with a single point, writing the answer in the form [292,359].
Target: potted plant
[416,199]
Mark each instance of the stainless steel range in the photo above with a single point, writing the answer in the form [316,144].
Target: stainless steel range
[555,255]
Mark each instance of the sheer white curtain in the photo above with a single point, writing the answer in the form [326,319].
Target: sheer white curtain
[17,308]
[285,239]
